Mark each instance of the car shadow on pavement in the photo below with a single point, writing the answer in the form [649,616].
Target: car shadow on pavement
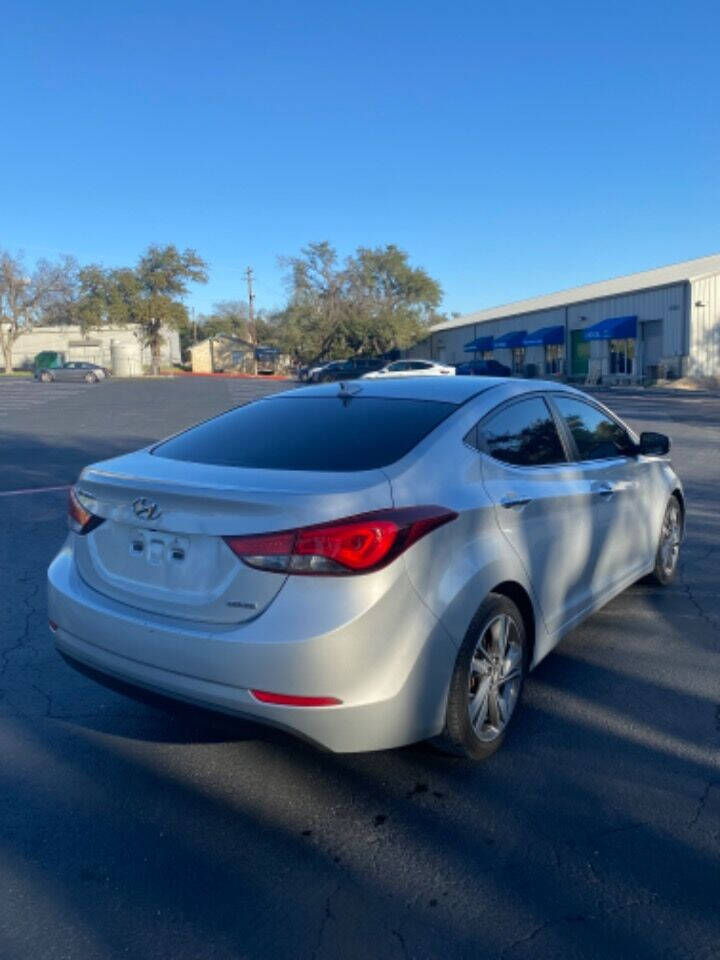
[575,839]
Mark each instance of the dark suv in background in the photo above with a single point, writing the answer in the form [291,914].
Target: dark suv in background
[348,369]
[482,368]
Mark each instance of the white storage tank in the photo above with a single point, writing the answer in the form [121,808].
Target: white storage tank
[125,360]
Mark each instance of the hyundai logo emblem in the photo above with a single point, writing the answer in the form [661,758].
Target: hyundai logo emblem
[145,509]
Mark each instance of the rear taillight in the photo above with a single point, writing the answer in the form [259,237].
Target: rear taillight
[353,545]
[80,519]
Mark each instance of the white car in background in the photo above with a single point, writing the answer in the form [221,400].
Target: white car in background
[411,368]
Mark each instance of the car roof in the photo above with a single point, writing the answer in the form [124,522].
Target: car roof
[446,389]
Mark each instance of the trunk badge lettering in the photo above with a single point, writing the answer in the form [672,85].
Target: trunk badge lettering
[145,509]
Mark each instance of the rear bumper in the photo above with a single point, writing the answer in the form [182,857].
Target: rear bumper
[390,664]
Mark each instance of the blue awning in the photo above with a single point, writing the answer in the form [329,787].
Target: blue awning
[516,338]
[480,343]
[545,337]
[614,328]
[265,352]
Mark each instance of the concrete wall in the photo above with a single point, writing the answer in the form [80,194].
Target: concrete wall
[93,347]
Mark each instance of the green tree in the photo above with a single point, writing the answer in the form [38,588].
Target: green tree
[373,303]
[27,298]
[102,297]
[163,275]
[390,302]
[233,318]
[312,326]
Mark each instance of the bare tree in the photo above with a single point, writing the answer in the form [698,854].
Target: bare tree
[26,297]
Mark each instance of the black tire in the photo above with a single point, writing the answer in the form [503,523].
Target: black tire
[90,378]
[668,551]
[460,737]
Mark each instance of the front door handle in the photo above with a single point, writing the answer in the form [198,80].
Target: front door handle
[511,501]
[604,490]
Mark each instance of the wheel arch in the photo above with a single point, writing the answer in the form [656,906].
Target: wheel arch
[677,492]
[518,594]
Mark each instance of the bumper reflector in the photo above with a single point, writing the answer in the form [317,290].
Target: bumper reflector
[288,700]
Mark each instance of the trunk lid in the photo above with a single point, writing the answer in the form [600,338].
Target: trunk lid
[161,547]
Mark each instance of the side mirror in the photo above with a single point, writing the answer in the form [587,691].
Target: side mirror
[654,444]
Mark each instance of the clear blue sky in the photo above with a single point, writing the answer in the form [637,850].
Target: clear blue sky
[511,148]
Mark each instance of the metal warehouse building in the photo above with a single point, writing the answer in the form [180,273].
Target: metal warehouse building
[658,323]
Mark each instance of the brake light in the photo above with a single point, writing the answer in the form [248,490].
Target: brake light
[80,519]
[354,545]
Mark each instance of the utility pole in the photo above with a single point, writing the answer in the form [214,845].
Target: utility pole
[251,316]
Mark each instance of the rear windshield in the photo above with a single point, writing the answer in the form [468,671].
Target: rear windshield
[310,433]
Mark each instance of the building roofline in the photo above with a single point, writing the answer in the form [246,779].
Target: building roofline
[681,272]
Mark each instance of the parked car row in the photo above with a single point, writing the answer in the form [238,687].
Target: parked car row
[372,368]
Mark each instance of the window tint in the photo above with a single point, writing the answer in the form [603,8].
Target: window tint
[596,436]
[419,365]
[310,433]
[523,434]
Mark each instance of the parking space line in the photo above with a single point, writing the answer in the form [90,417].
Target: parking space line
[28,490]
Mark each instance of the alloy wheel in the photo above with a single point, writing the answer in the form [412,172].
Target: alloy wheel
[670,538]
[495,677]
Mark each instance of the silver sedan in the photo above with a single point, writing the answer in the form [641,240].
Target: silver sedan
[365,564]
[73,371]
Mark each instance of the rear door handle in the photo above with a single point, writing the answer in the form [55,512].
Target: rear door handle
[604,490]
[511,501]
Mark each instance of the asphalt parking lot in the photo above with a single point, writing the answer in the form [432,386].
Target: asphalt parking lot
[128,832]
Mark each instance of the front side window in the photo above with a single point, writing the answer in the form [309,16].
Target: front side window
[523,434]
[596,436]
[397,367]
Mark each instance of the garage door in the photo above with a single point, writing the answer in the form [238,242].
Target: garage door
[579,354]
[652,343]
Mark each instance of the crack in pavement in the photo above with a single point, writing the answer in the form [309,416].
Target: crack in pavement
[578,918]
[702,801]
[24,638]
[707,617]
[328,915]
[401,941]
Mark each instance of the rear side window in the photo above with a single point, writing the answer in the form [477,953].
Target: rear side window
[310,433]
[523,434]
[596,436]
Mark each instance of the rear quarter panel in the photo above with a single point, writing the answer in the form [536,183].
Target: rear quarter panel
[455,567]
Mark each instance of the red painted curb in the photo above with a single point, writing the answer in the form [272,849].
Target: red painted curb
[228,376]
